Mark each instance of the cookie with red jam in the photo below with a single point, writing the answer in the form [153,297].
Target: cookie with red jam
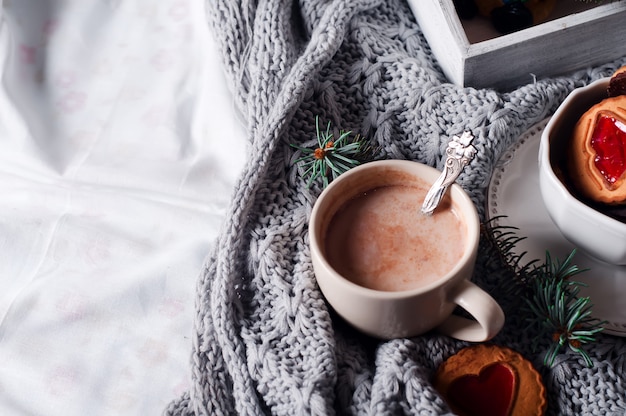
[597,154]
[490,380]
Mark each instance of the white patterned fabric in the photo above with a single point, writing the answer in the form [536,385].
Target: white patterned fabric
[114,181]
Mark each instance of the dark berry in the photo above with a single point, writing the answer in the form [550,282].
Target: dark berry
[511,17]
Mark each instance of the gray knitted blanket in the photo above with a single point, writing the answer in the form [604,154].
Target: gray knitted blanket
[265,341]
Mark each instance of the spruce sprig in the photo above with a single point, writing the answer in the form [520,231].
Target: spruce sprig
[332,157]
[551,302]
[559,311]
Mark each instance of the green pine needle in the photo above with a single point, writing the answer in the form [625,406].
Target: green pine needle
[552,305]
[332,157]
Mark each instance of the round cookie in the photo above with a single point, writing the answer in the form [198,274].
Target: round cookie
[597,154]
[490,380]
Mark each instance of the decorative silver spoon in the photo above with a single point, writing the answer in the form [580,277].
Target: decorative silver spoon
[458,154]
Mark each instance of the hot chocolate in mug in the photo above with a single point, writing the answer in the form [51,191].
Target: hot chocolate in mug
[391,271]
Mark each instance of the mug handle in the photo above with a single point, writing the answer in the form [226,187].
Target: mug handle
[488,314]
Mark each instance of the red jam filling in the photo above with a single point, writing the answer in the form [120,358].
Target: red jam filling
[490,393]
[609,142]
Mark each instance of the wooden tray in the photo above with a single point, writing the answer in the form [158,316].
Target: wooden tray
[471,54]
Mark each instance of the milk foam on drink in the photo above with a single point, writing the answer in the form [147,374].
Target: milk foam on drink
[380,239]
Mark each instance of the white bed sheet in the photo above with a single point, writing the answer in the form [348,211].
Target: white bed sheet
[119,149]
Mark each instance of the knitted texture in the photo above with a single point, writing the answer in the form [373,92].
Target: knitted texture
[265,341]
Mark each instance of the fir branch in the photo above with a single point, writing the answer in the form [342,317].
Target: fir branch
[561,314]
[502,241]
[552,305]
[332,157]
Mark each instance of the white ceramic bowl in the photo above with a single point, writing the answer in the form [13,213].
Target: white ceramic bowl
[588,229]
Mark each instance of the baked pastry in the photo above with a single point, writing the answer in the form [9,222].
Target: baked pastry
[617,83]
[597,154]
[490,380]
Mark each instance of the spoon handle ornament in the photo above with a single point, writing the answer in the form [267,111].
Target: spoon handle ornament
[458,154]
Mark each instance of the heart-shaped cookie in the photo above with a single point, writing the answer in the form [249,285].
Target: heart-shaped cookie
[489,393]
[490,380]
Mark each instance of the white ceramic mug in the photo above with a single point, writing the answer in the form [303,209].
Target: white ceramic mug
[404,313]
